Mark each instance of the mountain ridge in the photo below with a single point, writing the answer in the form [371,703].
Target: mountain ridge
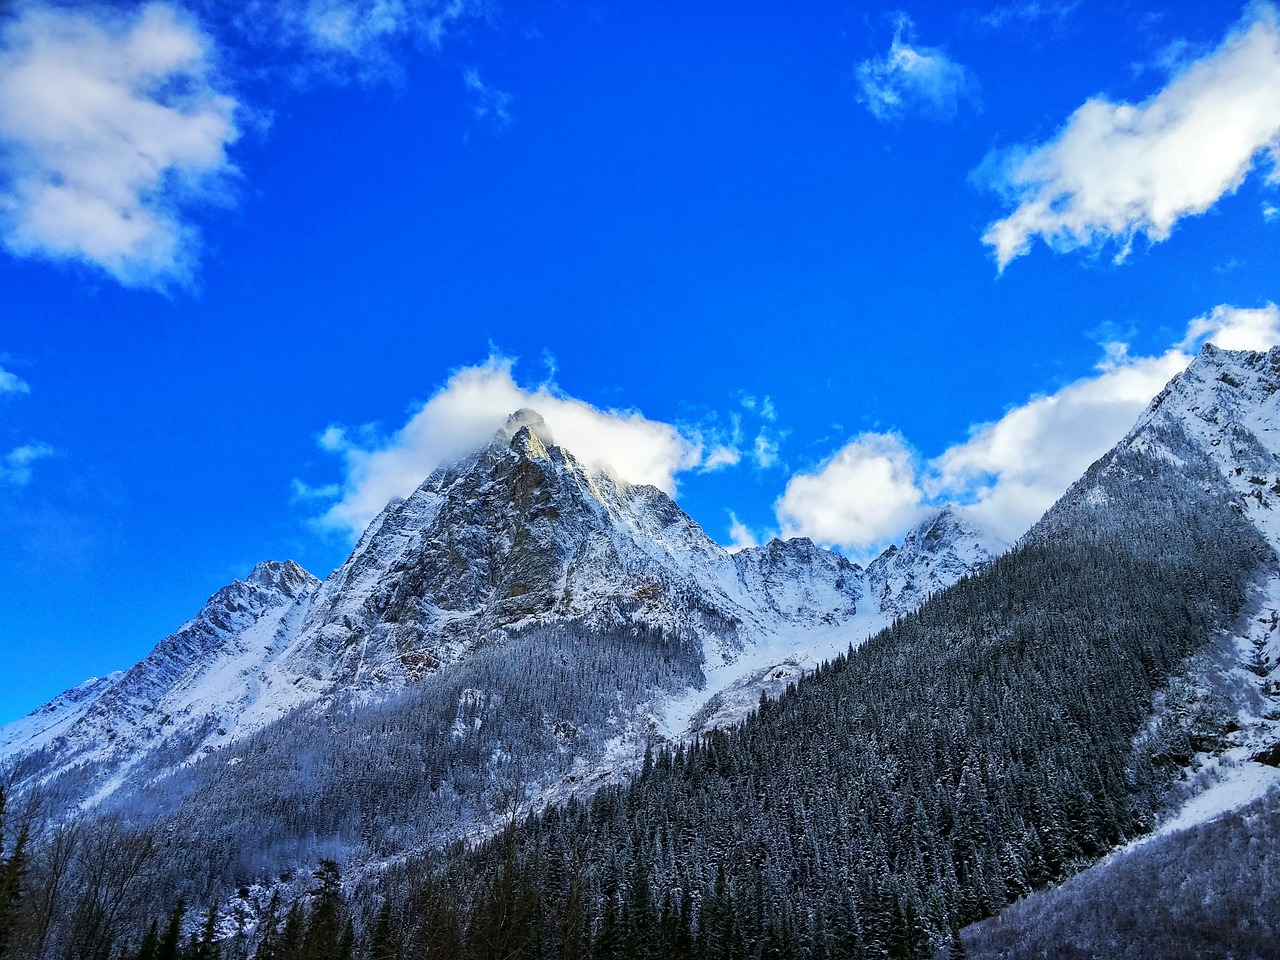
[518,535]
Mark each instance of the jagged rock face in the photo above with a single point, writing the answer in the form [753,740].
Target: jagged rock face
[196,678]
[933,556]
[518,533]
[495,542]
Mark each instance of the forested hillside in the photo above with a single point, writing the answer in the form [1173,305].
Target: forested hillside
[1207,892]
[990,744]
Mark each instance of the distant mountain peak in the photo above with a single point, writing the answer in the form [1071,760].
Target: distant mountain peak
[530,420]
[934,554]
[284,576]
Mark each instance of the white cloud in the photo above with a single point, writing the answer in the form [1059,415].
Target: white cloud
[1007,473]
[1012,470]
[110,129]
[1116,170]
[338,35]
[864,495]
[1234,328]
[740,535]
[15,467]
[466,412]
[12,383]
[913,79]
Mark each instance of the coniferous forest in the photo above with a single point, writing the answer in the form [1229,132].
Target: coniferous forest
[989,745]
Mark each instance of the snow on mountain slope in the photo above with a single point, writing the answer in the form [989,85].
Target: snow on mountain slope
[1228,404]
[1221,419]
[933,556]
[517,535]
[809,583]
[199,685]
[41,726]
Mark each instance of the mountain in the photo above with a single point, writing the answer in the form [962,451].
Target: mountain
[1110,676]
[517,552]
[521,649]
[1205,878]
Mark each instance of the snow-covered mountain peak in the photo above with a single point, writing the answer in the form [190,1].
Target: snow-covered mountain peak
[934,554]
[1226,406]
[526,419]
[284,576]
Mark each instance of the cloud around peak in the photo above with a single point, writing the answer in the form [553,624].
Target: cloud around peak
[1117,170]
[464,414]
[1009,471]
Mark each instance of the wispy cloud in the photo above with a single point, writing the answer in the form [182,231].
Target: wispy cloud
[343,38]
[765,450]
[112,129]
[721,456]
[1117,170]
[15,466]
[913,79]
[12,383]
[1008,472]
[488,104]
[1029,11]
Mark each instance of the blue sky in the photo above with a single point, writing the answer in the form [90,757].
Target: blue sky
[815,268]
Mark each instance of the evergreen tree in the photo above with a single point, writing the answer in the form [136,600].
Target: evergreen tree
[170,945]
[13,869]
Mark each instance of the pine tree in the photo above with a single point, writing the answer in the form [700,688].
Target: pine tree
[148,949]
[382,943]
[206,948]
[170,943]
[13,870]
